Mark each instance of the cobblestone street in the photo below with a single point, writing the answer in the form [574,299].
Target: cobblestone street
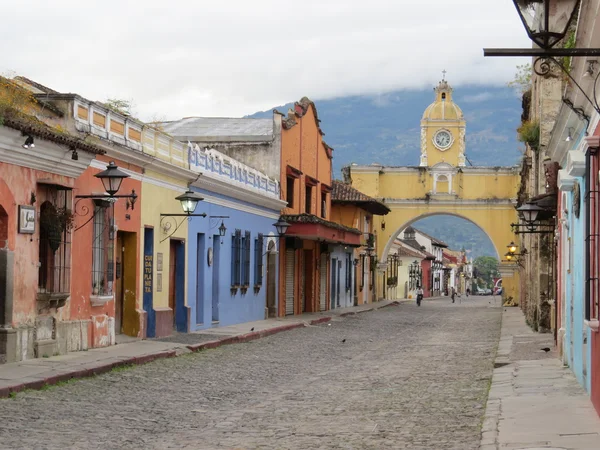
[405,377]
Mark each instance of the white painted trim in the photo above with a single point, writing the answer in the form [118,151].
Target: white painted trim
[565,181]
[251,196]
[207,198]
[173,171]
[375,169]
[237,206]
[100,300]
[391,202]
[593,324]
[576,163]
[46,155]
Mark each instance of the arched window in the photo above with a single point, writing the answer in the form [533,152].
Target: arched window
[442,185]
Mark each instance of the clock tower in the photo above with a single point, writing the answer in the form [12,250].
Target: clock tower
[443,131]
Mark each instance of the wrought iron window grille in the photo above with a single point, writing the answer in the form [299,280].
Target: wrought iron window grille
[56,219]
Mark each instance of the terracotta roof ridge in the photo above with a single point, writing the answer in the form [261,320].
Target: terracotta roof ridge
[311,218]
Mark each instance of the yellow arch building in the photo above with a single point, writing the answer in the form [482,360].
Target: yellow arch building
[443,184]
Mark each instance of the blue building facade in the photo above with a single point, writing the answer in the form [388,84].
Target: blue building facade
[232,278]
[576,340]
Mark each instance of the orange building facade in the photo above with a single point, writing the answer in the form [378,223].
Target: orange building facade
[354,209]
[38,179]
[304,254]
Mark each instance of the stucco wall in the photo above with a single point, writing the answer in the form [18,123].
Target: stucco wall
[577,335]
[160,193]
[235,307]
[16,187]
[101,329]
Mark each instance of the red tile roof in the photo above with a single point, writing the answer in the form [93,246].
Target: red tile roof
[29,125]
[344,193]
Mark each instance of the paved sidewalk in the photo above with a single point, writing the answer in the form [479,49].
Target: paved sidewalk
[535,402]
[36,373]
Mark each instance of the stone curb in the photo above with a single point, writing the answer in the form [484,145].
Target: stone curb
[493,407]
[394,303]
[91,370]
[95,368]
[320,320]
[240,339]
[374,308]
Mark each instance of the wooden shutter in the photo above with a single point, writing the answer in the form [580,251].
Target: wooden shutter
[247,258]
[290,260]
[323,283]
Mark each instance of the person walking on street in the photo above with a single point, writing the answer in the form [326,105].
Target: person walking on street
[419,295]
[453,293]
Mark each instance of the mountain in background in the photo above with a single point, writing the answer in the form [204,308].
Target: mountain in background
[385,129]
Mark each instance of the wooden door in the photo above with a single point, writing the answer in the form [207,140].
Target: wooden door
[309,291]
[290,279]
[271,280]
[172,273]
[119,285]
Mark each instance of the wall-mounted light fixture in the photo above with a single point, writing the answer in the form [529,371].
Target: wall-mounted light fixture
[529,213]
[189,202]
[111,179]
[547,23]
[29,142]
[569,134]
[589,72]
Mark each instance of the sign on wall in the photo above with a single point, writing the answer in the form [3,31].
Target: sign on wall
[148,274]
[26,219]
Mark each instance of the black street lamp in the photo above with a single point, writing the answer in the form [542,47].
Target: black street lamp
[222,229]
[112,178]
[281,226]
[547,21]
[529,212]
[189,200]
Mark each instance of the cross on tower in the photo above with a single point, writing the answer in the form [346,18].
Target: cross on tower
[444,75]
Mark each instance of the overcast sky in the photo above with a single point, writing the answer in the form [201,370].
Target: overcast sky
[234,57]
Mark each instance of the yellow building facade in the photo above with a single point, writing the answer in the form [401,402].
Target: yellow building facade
[164,249]
[443,184]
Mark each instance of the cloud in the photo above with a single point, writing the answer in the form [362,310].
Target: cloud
[216,58]
[478,98]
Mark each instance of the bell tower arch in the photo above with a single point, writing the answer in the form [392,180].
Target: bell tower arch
[443,129]
[443,184]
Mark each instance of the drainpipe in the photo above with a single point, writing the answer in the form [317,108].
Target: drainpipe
[588,210]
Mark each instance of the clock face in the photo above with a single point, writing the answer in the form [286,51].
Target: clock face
[442,139]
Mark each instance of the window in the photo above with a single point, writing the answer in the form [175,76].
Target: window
[308,200]
[290,191]
[258,260]
[323,204]
[373,263]
[348,271]
[246,268]
[236,246]
[56,220]
[363,264]
[101,278]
